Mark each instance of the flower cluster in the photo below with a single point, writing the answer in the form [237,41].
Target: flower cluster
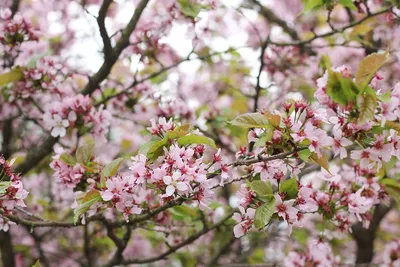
[12,192]
[349,192]
[318,253]
[76,111]
[67,174]
[391,253]
[14,31]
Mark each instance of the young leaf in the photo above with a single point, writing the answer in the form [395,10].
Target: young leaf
[289,187]
[4,186]
[304,155]
[109,170]
[90,198]
[84,153]
[325,63]
[393,125]
[196,139]
[68,159]
[392,187]
[312,4]
[264,213]
[342,90]
[348,3]
[37,264]
[157,148]
[321,161]
[274,119]
[368,67]
[261,188]
[190,9]
[14,75]
[366,104]
[265,137]
[251,120]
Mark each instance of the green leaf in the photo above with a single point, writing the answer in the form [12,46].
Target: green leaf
[264,213]
[388,166]
[289,187]
[14,75]
[179,132]
[366,104]
[265,137]
[342,90]
[392,187]
[185,210]
[393,125]
[368,67]
[325,63]
[360,29]
[196,139]
[157,148]
[348,3]
[304,155]
[90,198]
[84,154]
[251,120]
[384,97]
[273,119]
[109,170]
[321,161]
[190,9]
[4,186]
[68,159]
[37,264]
[261,188]
[312,4]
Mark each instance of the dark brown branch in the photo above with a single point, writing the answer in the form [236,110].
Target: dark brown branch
[36,154]
[14,7]
[224,250]
[7,250]
[248,162]
[113,55]
[188,241]
[102,27]
[273,19]
[86,246]
[42,257]
[7,136]
[262,66]
[120,243]
[338,30]
[365,237]
[161,71]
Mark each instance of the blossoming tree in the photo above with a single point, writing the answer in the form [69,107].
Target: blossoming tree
[199,132]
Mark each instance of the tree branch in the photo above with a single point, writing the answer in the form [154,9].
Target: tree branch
[338,30]
[114,54]
[102,27]
[365,237]
[188,241]
[248,162]
[273,19]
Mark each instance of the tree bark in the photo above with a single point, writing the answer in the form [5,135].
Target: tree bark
[365,237]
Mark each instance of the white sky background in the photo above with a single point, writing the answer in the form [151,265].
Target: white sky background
[89,47]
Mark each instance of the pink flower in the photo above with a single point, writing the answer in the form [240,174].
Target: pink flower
[339,144]
[359,204]
[318,138]
[174,183]
[245,220]
[305,201]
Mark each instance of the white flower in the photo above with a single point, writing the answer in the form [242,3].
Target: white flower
[174,184]
[58,125]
